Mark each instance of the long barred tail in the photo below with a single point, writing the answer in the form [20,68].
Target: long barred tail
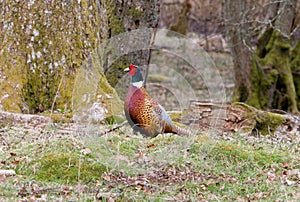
[180,131]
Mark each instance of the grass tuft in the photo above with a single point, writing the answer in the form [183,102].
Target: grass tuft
[66,168]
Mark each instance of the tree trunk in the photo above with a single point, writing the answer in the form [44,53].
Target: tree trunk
[274,62]
[123,16]
[263,77]
[236,30]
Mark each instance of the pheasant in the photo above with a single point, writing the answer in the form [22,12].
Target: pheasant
[143,113]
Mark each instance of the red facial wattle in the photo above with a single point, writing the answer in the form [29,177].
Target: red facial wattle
[132,70]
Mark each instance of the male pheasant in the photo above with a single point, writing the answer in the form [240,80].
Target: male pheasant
[143,113]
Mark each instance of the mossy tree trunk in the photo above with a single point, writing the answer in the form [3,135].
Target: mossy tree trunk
[43,44]
[295,66]
[124,16]
[264,70]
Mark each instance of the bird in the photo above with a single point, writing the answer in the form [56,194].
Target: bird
[144,113]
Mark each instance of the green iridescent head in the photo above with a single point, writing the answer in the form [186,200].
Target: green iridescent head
[135,73]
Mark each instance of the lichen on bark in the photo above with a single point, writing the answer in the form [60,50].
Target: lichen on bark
[181,25]
[124,16]
[271,75]
[295,67]
[43,47]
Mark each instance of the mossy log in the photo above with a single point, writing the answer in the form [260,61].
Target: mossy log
[235,117]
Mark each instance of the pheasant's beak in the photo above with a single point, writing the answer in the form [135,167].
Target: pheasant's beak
[127,69]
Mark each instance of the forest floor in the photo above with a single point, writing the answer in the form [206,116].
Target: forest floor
[56,162]
[46,161]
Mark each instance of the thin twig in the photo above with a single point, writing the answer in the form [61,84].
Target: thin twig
[114,128]
[56,95]
[152,39]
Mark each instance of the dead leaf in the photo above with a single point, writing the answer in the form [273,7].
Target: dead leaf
[7,172]
[23,192]
[106,177]
[292,172]
[151,146]
[286,165]
[297,196]
[110,199]
[2,179]
[86,151]
[289,182]
[81,188]
[12,154]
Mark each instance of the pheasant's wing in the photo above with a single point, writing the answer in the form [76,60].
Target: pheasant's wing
[145,118]
[166,123]
[163,117]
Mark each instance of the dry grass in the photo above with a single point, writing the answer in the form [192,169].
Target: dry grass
[55,166]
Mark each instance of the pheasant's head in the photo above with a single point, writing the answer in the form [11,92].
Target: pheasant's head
[135,73]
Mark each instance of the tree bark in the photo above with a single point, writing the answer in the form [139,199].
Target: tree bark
[263,75]
[123,16]
[275,55]
[237,30]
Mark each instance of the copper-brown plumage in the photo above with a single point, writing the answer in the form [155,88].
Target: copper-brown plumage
[143,113]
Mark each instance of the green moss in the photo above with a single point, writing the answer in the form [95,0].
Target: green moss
[157,78]
[271,74]
[181,24]
[254,99]
[60,118]
[114,19]
[295,67]
[38,92]
[111,100]
[116,71]
[114,119]
[92,82]
[235,153]
[65,89]
[11,85]
[66,168]
[280,56]
[62,48]
[135,13]
[295,57]
[263,41]
[265,122]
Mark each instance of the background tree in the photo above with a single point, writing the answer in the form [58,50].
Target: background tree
[124,16]
[44,43]
[262,40]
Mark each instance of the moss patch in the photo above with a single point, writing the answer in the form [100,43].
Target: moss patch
[182,21]
[265,122]
[11,81]
[67,168]
[114,18]
[60,118]
[295,66]
[135,13]
[271,75]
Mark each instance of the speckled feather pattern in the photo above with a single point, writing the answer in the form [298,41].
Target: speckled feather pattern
[145,114]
